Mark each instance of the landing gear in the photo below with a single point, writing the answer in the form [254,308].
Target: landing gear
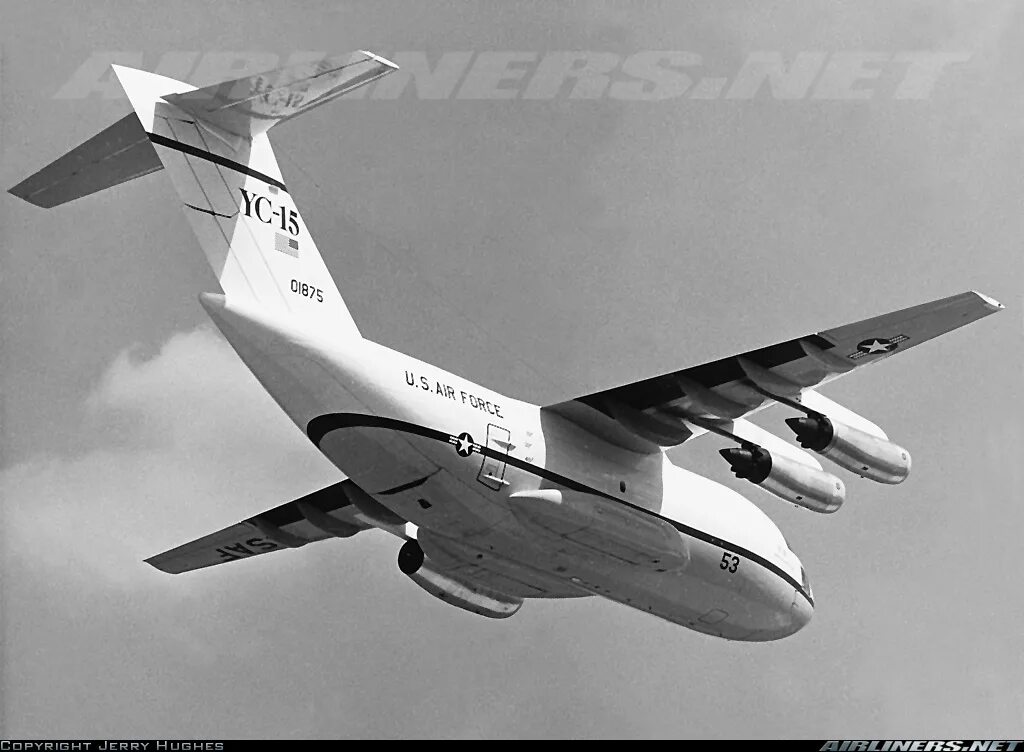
[410,557]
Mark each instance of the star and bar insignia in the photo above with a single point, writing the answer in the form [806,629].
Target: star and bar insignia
[877,346]
[463,444]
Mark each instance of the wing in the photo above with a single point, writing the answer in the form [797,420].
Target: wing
[495,587]
[323,514]
[668,410]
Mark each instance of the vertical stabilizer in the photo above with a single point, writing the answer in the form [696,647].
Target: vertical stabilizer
[213,144]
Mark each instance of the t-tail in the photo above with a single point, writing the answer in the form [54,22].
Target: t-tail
[213,144]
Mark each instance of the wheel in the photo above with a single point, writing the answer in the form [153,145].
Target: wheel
[410,557]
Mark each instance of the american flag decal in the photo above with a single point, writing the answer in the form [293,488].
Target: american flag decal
[284,244]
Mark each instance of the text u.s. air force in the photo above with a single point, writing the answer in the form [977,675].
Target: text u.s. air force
[435,387]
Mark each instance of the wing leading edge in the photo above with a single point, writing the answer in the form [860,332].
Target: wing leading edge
[668,410]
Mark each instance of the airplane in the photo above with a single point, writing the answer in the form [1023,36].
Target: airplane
[496,500]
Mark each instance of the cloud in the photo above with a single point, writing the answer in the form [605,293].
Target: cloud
[172,447]
[160,439]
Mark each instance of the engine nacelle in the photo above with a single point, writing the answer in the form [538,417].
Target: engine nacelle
[789,480]
[858,451]
[469,596]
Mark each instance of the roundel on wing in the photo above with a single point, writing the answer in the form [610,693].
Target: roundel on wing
[877,346]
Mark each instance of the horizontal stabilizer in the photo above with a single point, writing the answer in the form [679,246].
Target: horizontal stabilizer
[234,110]
[116,155]
[251,105]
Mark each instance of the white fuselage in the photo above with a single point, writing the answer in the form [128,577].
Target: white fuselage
[474,472]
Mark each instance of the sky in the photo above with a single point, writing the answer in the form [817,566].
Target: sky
[547,248]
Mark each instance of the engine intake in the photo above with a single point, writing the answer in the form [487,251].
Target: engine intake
[789,480]
[858,451]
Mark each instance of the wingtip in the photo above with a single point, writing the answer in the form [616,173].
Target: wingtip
[18,191]
[991,302]
[157,564]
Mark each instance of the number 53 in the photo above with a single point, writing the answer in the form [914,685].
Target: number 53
[729,562]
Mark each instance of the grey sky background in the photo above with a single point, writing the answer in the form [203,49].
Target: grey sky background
[546,249]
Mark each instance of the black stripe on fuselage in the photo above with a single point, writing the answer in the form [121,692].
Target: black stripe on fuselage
[320,426]
[209,156]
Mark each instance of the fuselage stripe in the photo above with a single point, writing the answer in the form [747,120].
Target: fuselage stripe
[320,426]
[209,156]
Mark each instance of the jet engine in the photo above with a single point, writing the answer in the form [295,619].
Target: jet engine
[789,480]
[858,451]
[466,595]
